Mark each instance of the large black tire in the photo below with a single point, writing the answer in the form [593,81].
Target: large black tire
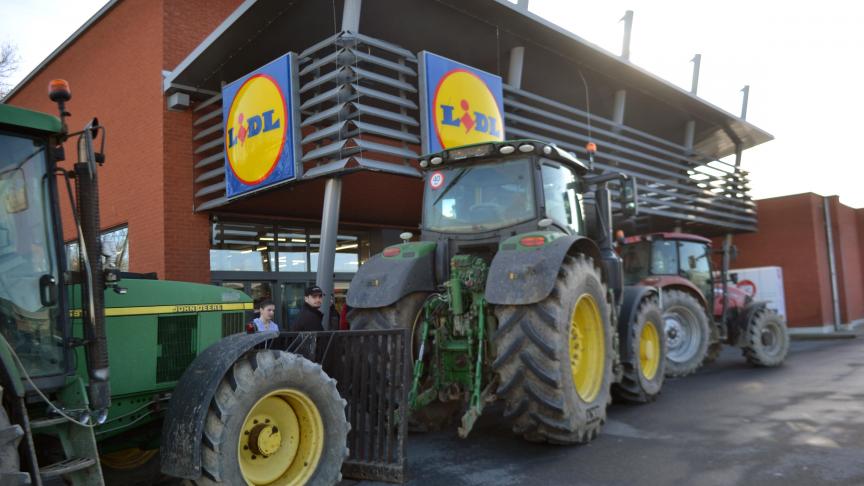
[262,386]
[10,462]
[645,367]
[687,333]
[535,358]
[766,339]
[131,467]
[404,313]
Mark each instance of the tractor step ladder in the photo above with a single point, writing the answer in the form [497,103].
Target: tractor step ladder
[81,464]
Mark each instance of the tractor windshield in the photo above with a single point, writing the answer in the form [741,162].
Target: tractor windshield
[29,314]
[481,197]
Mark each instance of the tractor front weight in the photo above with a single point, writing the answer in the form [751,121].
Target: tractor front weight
[454,325]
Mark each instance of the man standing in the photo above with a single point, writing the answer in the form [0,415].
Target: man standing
[264,322]
[310,315]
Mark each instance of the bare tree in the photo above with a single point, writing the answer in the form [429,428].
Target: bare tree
[8,65]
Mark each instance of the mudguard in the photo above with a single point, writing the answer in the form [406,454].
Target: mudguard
[742,320]
[519,276]
[184,423]
[633,296]
[383,280]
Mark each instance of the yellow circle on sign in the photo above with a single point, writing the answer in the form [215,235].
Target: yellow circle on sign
[465,111]
[255,129]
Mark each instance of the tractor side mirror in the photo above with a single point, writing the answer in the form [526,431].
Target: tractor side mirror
[629,197]
[733,252]
[691,260]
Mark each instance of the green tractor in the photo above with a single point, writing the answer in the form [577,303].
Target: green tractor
[189,392]
[514,292]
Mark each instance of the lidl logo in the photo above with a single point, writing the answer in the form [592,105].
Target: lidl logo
[259,136]
[462,104]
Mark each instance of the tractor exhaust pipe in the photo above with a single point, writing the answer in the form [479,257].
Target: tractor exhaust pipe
[93,303]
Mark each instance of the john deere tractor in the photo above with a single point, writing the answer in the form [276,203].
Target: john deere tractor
[513,291]
[226,407]
[701,310]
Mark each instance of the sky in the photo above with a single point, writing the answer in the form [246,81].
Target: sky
[803,61]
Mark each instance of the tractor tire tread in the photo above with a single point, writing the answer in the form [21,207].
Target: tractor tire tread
[634,386]
[533,364]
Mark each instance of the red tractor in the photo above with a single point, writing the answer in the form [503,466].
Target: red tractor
[691,292]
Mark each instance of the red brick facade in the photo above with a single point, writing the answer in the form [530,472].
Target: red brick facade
[115,71]
[792,235]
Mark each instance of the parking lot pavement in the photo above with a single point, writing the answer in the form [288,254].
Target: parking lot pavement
[729,424]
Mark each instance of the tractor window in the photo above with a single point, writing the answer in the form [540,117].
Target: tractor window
[637,262]
[28,255]
[664,258]
[562,204]
[481,197]
[694,264]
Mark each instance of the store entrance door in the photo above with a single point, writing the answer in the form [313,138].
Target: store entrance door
[286,293]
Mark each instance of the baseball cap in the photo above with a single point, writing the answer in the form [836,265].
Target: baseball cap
[313,290]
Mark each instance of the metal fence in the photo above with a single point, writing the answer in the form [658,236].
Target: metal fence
[372,370]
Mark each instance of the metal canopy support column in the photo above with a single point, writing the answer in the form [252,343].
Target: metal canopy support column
[517,60]
[618,106]
[628,27]
[327,245]
[351,15]
[689,135]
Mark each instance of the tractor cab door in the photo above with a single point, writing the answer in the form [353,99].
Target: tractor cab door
[694,259]
[31,317]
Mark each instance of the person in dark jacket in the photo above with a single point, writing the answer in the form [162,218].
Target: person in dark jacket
[310,316]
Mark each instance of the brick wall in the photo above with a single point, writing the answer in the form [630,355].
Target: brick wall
[187,234]
[792,235]
[117,78]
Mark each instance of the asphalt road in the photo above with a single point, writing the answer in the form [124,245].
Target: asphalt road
[729,424]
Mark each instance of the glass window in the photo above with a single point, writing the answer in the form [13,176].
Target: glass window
[115,244]
[243,247]
[694,264]
[479,198]
[559,193]
[637,261]
[27,254]
[664,258]
[292,243]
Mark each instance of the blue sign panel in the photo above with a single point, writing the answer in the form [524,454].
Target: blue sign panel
[260,128]
[460,105]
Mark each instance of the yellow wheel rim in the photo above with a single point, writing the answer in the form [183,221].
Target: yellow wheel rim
[128,459]
[281,439]
[587,348]
[649,350]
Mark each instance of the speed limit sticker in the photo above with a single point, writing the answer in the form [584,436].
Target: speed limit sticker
[436,180]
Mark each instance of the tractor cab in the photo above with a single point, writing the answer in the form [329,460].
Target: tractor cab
[475,197]
[31,260]
[663,257]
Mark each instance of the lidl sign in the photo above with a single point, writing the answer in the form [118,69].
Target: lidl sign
[260,128]
[460,105]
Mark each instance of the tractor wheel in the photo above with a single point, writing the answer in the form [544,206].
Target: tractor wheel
[645,369]
[10,462]
[276,418]
[554,358]
[767,339]
[687,333]
[714,350]
[405,312]
[133,467]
